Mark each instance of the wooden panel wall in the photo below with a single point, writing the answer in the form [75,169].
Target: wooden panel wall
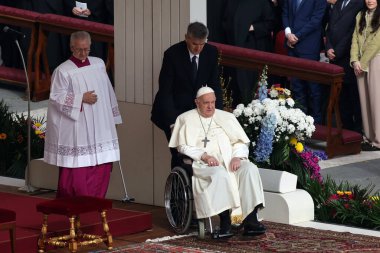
[144,29]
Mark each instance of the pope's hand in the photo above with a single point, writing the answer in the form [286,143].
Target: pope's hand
[235,163]
[210,160]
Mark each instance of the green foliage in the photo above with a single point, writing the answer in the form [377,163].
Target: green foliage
[280,154]
[345,203]
[14,142]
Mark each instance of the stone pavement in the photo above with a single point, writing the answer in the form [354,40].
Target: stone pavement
[14,97]
[362,169]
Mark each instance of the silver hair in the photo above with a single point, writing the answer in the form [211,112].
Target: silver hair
[80,35]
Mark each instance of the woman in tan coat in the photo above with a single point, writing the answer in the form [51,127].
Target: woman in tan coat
[365,59]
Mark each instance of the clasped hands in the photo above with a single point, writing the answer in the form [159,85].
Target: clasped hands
[292,40]
[90,97]
[212,161]
[78,11]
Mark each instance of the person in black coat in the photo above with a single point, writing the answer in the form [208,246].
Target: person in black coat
[179,81]
[341,25]
[247,24]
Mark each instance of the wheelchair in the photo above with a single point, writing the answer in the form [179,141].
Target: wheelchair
[178,197]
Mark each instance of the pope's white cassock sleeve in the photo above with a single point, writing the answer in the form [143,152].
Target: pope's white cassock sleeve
[80,134]
[216,188]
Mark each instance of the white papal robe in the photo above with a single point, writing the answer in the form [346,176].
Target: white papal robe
[80,134]
[216,188]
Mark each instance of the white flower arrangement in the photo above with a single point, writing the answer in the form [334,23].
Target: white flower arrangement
[291,122]
[277,130]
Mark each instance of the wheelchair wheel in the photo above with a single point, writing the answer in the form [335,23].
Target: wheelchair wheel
[178,200]
[201,228]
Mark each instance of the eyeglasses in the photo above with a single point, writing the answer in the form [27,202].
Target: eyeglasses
[81,50]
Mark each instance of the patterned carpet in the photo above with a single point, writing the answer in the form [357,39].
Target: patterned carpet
[279,238]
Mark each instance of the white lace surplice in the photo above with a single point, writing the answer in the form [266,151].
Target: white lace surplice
[79,134]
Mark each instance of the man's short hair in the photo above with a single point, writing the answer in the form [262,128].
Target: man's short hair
[197,30]
[80,35]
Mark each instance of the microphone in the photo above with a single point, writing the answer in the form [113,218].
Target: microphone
[7,29]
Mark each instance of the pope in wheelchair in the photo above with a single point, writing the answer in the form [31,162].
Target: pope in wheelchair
[224,181]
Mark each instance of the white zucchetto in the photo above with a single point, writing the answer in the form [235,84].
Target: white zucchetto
[204,90]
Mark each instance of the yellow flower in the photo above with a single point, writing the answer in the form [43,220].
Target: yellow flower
[279,89]
[293,141]
[38,132]
[3,136]
[348,193]
[340,193]
[299,147]
[38,124]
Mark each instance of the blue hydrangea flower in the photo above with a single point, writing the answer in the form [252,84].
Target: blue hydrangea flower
[264,143]
[263,93]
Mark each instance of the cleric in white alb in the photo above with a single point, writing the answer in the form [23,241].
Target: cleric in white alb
[81,135]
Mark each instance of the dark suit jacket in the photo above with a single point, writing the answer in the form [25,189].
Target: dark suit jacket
[239,15]
[340,27]
[177,91]
[306,23]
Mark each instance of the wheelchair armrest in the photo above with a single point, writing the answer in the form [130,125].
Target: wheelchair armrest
[185,159]
[186,163]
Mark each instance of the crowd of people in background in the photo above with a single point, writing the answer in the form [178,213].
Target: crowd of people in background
[345,30]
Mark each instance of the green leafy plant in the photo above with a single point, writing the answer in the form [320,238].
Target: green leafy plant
[14,141]
[345,203]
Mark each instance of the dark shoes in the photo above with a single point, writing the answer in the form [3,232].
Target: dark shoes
[220,234]
[225,226]
[366,146]
[254,229]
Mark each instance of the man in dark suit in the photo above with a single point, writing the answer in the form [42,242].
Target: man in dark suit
[341,25]
[302,20]
[187,66]
[247,24]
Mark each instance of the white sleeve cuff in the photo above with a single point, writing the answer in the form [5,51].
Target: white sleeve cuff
[287,31]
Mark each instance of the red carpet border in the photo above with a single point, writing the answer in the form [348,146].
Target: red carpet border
[279,238]
[28,222]
[287,238]
[152,247]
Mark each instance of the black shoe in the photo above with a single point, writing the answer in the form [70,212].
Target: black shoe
[219,234]
[225,221]
[254,229]
[225,226]
[366,146]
